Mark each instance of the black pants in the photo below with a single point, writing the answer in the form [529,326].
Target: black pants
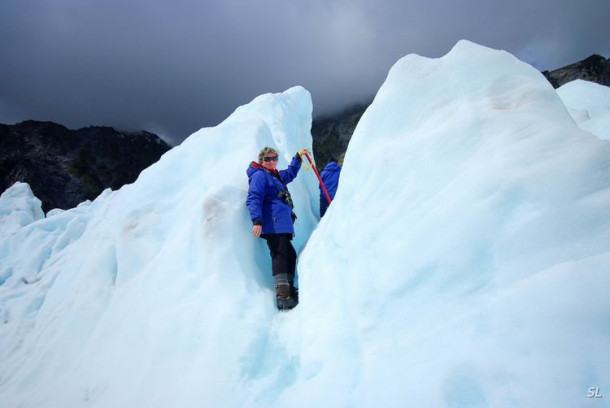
[283,255]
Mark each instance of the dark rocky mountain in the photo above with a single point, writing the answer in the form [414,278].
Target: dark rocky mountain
[66,167]
[332,133]
[593,69]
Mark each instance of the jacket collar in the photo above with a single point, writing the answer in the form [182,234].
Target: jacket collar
[258,166]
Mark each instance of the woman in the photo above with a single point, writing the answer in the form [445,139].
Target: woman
[270,207]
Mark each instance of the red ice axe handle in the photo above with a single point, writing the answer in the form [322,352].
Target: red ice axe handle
[318,176]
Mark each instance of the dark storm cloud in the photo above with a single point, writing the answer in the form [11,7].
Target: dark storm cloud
[174,67]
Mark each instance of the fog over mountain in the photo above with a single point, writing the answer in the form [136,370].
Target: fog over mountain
[173,67]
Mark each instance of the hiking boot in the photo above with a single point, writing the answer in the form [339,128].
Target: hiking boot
[294,293]
[284,299]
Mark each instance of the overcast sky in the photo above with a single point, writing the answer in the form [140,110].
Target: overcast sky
[172,67]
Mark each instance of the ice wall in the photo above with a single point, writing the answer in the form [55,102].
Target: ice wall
[18,208]
[589,105]
[156,294]
[464,261]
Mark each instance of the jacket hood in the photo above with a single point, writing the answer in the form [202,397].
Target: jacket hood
[253,168]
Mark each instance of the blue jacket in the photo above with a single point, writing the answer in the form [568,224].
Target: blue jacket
[266,208]
[330,178]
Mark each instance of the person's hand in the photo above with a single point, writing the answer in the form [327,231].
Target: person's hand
[256,230]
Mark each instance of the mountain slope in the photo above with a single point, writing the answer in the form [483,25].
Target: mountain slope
[593,69]
[66,167]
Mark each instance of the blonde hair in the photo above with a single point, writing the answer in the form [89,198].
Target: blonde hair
[266,150]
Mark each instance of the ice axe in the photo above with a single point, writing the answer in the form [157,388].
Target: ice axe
[306,154]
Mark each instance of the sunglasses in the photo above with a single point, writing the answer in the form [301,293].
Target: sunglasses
[270,158]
